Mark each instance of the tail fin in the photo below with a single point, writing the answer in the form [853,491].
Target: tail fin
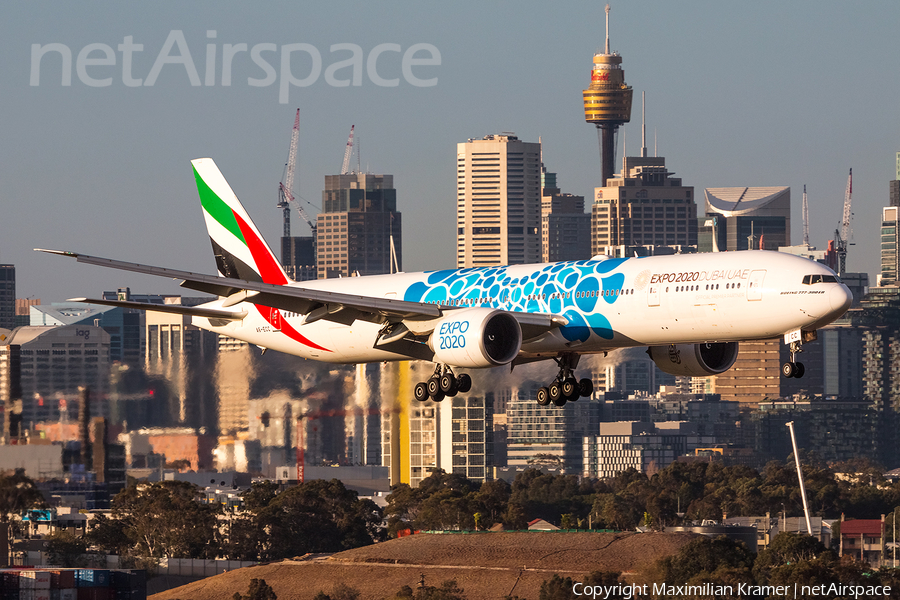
[241,252]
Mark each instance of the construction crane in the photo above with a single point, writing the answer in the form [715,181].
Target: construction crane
[345,167]
[286,187]
[842,237]
[287,179]
[805,218]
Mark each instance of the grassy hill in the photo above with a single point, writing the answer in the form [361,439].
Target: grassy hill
[485,565]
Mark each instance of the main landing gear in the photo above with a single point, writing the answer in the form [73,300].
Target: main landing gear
[441,384]
[565,387]
[792,368]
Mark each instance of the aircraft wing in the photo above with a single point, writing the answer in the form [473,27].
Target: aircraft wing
[316,304]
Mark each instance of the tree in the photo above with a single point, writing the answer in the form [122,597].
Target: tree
[108,536]
[165,519]
[18,493]
[258,590]
[318,516]
[619,513]
[705,555]
[557,588]
[259,496]
[342,591]
[65,549]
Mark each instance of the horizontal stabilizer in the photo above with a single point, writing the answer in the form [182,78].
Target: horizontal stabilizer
[178,309]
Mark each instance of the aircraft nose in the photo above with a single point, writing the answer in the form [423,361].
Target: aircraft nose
[840,298]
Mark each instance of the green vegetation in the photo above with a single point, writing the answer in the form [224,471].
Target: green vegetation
[165,519]
[258,590]
[18,493]
[701,490]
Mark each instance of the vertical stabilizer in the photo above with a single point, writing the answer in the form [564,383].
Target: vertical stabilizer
[240,250]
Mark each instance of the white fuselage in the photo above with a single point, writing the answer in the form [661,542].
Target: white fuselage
[611,303]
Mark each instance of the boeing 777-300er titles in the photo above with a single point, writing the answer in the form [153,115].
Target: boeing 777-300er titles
[690,310]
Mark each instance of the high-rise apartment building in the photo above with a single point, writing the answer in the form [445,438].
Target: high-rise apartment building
[7,296]
[53,363]
[894,186]
[538,434]
[498,202]
[565,227]
[298,257]
[642,206]
[359,228]
[753,217]
[890,241]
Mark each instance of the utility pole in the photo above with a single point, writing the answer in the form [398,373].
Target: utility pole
[790,426]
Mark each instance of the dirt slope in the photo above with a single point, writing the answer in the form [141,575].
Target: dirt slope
[485,565]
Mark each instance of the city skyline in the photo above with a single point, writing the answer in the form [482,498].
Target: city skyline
[104,170]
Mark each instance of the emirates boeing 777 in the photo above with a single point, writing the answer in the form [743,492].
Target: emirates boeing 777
[690,310]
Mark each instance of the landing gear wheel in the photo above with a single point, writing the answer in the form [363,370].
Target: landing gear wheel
[799,370]
[543,396]
[438,397]
[555,392]
[434,387]
[448,384]
[561,401]
[570,388]
[788,369]
[586,388]
[421,391]
[463,383]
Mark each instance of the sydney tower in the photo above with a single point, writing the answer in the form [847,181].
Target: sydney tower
[607,102]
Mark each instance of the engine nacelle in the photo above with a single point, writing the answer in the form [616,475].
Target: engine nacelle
[476,337]
[695,360]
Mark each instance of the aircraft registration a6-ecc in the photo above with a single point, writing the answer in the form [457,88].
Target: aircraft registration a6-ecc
[690,310]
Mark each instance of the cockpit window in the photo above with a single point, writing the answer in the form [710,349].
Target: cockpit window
[819,278]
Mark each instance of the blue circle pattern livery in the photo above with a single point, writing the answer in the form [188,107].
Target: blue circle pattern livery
[563,288]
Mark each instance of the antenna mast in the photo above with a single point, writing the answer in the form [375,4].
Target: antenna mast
[805,218]
[644,124]
[607,29]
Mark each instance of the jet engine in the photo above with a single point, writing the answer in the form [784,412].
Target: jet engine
[476,337]
[695,360]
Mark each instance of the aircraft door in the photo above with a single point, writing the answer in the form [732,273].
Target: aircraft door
[653,295]
[754,286]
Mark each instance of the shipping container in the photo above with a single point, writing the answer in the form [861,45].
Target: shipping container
[62,579]
[9,580]
[38,580]
[92,578]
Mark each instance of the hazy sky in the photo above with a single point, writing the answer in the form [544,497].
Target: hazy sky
[738,94]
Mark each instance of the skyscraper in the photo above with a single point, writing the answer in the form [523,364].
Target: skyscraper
[607,103]
[565,227]
[642,206]
[498,202]
[359,228]
[890,240]
[753,217]
[7,296]
[894,186]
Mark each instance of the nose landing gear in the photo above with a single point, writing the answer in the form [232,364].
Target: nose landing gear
[796,339]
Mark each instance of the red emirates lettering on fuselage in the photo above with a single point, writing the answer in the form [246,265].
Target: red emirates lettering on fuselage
[691,276]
